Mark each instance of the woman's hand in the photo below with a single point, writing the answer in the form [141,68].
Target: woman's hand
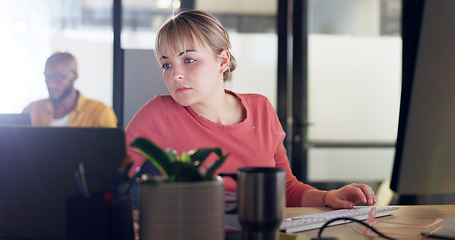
[349,195]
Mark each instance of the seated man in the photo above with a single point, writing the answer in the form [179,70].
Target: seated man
[66,106]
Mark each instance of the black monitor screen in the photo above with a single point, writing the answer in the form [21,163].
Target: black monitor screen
[425,152]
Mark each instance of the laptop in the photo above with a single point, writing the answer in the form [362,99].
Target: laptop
[37,166]
[15,119]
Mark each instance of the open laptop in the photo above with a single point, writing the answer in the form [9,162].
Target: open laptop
[37,166]
[15,119]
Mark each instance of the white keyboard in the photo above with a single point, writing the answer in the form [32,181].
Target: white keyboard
[317,220]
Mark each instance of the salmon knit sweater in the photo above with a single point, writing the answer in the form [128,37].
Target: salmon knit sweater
[255,142]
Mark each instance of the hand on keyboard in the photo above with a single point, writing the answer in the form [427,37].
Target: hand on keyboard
[349,195]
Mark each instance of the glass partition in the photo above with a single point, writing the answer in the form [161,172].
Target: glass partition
[32,30]
[354,85]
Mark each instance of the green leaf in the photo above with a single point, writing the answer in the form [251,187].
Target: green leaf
[180,169]
[210,171]
[171,155]
[185,172]
[185,157]
[153,153]
[200,155]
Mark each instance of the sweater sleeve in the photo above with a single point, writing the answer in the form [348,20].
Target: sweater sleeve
[294,188]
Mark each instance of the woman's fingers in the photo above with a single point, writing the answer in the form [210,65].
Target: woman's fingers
[349,195]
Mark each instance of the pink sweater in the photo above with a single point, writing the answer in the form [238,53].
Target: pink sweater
[255,142]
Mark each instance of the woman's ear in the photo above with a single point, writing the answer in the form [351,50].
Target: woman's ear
[225,57]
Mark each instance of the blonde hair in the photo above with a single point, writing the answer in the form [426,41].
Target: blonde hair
[197,29]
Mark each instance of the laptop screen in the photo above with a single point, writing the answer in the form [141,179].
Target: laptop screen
[15,119]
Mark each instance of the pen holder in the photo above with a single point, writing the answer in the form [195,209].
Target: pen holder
[96,218]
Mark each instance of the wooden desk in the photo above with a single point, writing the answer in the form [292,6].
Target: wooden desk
[416,215]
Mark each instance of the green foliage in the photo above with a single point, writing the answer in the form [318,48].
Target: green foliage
[180,169]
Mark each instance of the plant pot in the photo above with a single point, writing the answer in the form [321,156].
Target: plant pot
[182,211]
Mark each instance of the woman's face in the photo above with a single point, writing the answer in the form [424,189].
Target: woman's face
[194,76]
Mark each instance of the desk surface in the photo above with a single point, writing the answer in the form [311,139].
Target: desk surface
[415,215]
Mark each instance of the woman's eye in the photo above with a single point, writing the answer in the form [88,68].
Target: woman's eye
[166,66]
[189,60]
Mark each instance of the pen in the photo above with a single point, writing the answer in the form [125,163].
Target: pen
[84,181]
[79,183]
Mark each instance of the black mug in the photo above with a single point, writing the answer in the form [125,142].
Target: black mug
[261,201]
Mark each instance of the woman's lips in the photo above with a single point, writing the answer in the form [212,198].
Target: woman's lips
[182,89]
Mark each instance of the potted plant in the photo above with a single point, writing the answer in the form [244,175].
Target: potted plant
[187,202]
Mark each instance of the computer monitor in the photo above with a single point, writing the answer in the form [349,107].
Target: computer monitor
[37,166]
[15,119]
[424,161]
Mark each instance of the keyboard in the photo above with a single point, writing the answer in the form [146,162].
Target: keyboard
[317,220]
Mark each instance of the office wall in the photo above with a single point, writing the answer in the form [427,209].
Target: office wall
[354,95]
[354,87]
[142,80]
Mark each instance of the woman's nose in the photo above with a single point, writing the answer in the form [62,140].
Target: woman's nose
[177,74]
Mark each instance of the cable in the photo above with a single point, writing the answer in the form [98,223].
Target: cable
[353,220]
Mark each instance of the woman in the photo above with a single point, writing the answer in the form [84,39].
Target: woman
[193,49]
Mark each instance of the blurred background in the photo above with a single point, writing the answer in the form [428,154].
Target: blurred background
[353,76]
